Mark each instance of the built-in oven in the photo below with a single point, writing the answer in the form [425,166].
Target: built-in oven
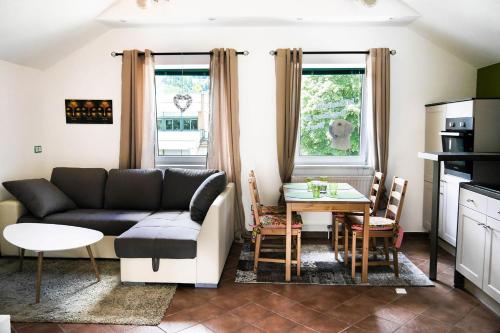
[458,138]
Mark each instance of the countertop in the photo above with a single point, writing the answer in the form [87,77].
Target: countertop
[441,156]
[492,191]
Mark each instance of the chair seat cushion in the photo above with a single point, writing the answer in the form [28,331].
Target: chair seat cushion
[109,222]
[374,220]
[266,210]
[278,221]
[171,235]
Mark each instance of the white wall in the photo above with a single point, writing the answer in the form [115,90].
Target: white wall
[421,73]
[20,128]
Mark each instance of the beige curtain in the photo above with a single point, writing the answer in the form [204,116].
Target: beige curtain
[137,124]
[379,76]
[288,84]
[224,142]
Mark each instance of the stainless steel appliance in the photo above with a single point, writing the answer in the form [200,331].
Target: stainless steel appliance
[458,138]
[471,126]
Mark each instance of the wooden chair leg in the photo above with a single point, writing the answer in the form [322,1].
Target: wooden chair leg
[396,265]
[353,255]
[346,245]
[336,238]
[257,253]
[299,242]
[386,250]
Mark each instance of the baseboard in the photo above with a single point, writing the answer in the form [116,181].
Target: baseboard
[447,247]
[489,302]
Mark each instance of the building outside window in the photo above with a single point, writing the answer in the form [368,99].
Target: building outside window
[182,97]
[331,117]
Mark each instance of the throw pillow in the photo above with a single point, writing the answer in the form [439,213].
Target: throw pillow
[39,196]
[205,196]
[179,186]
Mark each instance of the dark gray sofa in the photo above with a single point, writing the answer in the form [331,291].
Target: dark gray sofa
[147,213]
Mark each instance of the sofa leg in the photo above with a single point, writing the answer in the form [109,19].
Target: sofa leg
[206,285]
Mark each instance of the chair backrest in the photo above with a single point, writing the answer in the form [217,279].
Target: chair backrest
[396,199]
[376,191]
[254,195]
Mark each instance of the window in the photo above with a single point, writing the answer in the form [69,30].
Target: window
[182,98]
[331,121]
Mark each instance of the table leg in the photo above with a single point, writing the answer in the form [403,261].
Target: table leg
[366,243]
[38,277]
[436,186]
[21,259]
[94,264]
[288,246]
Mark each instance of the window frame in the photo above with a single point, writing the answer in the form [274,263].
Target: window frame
[179,161]
[302,161]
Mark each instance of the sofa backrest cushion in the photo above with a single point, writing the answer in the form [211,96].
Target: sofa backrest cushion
[133,189]
[85,186]
[205,195]
[39,196]
[179,186]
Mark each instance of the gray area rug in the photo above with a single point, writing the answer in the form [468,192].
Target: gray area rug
[320,267]
[71,294]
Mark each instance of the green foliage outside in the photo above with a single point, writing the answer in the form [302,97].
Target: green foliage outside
[178,84]
[324,99]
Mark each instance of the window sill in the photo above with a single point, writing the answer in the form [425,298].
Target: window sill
[182,166]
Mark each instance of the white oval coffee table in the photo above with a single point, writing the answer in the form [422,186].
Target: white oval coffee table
[41,237]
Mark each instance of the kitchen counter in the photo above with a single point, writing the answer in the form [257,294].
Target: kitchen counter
[437,158]
[440,157]
[488,190]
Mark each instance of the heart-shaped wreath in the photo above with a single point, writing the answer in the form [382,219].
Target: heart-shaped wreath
[182,102]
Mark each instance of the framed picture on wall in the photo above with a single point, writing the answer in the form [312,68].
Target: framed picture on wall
[89,111]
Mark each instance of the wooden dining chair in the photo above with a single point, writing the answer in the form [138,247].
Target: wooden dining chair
[376,191]
[386,227]
[264,210]
[271,225]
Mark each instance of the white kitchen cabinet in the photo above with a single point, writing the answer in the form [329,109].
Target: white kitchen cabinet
[427,213]
[448,208]
[491,274]
[471,244]
[478,241]
[435,121]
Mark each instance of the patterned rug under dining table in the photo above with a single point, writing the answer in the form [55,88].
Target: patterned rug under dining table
[346,200]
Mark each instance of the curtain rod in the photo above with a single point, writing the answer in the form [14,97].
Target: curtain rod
[392,52]
[116,54]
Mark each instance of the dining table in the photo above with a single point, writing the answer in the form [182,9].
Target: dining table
[344,199]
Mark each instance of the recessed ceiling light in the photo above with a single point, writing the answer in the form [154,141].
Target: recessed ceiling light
[123,21]
[211,19]
[300,19]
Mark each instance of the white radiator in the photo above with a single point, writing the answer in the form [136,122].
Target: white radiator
[360,183]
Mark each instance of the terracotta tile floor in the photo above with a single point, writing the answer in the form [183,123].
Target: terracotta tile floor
[249,308]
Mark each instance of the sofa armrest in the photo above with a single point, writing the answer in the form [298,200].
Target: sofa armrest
[215,238]
[10,211]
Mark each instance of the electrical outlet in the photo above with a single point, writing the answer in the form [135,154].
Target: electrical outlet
[37,149]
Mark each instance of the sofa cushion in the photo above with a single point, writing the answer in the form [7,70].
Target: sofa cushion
[133,189]
[85,186]
[39,196]
[205,195]
[179,186]
[109,222]
[162,235]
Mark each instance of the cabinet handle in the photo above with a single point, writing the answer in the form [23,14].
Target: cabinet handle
[470,200]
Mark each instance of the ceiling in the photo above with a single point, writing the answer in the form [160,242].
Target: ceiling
[39,33]
[469,29]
